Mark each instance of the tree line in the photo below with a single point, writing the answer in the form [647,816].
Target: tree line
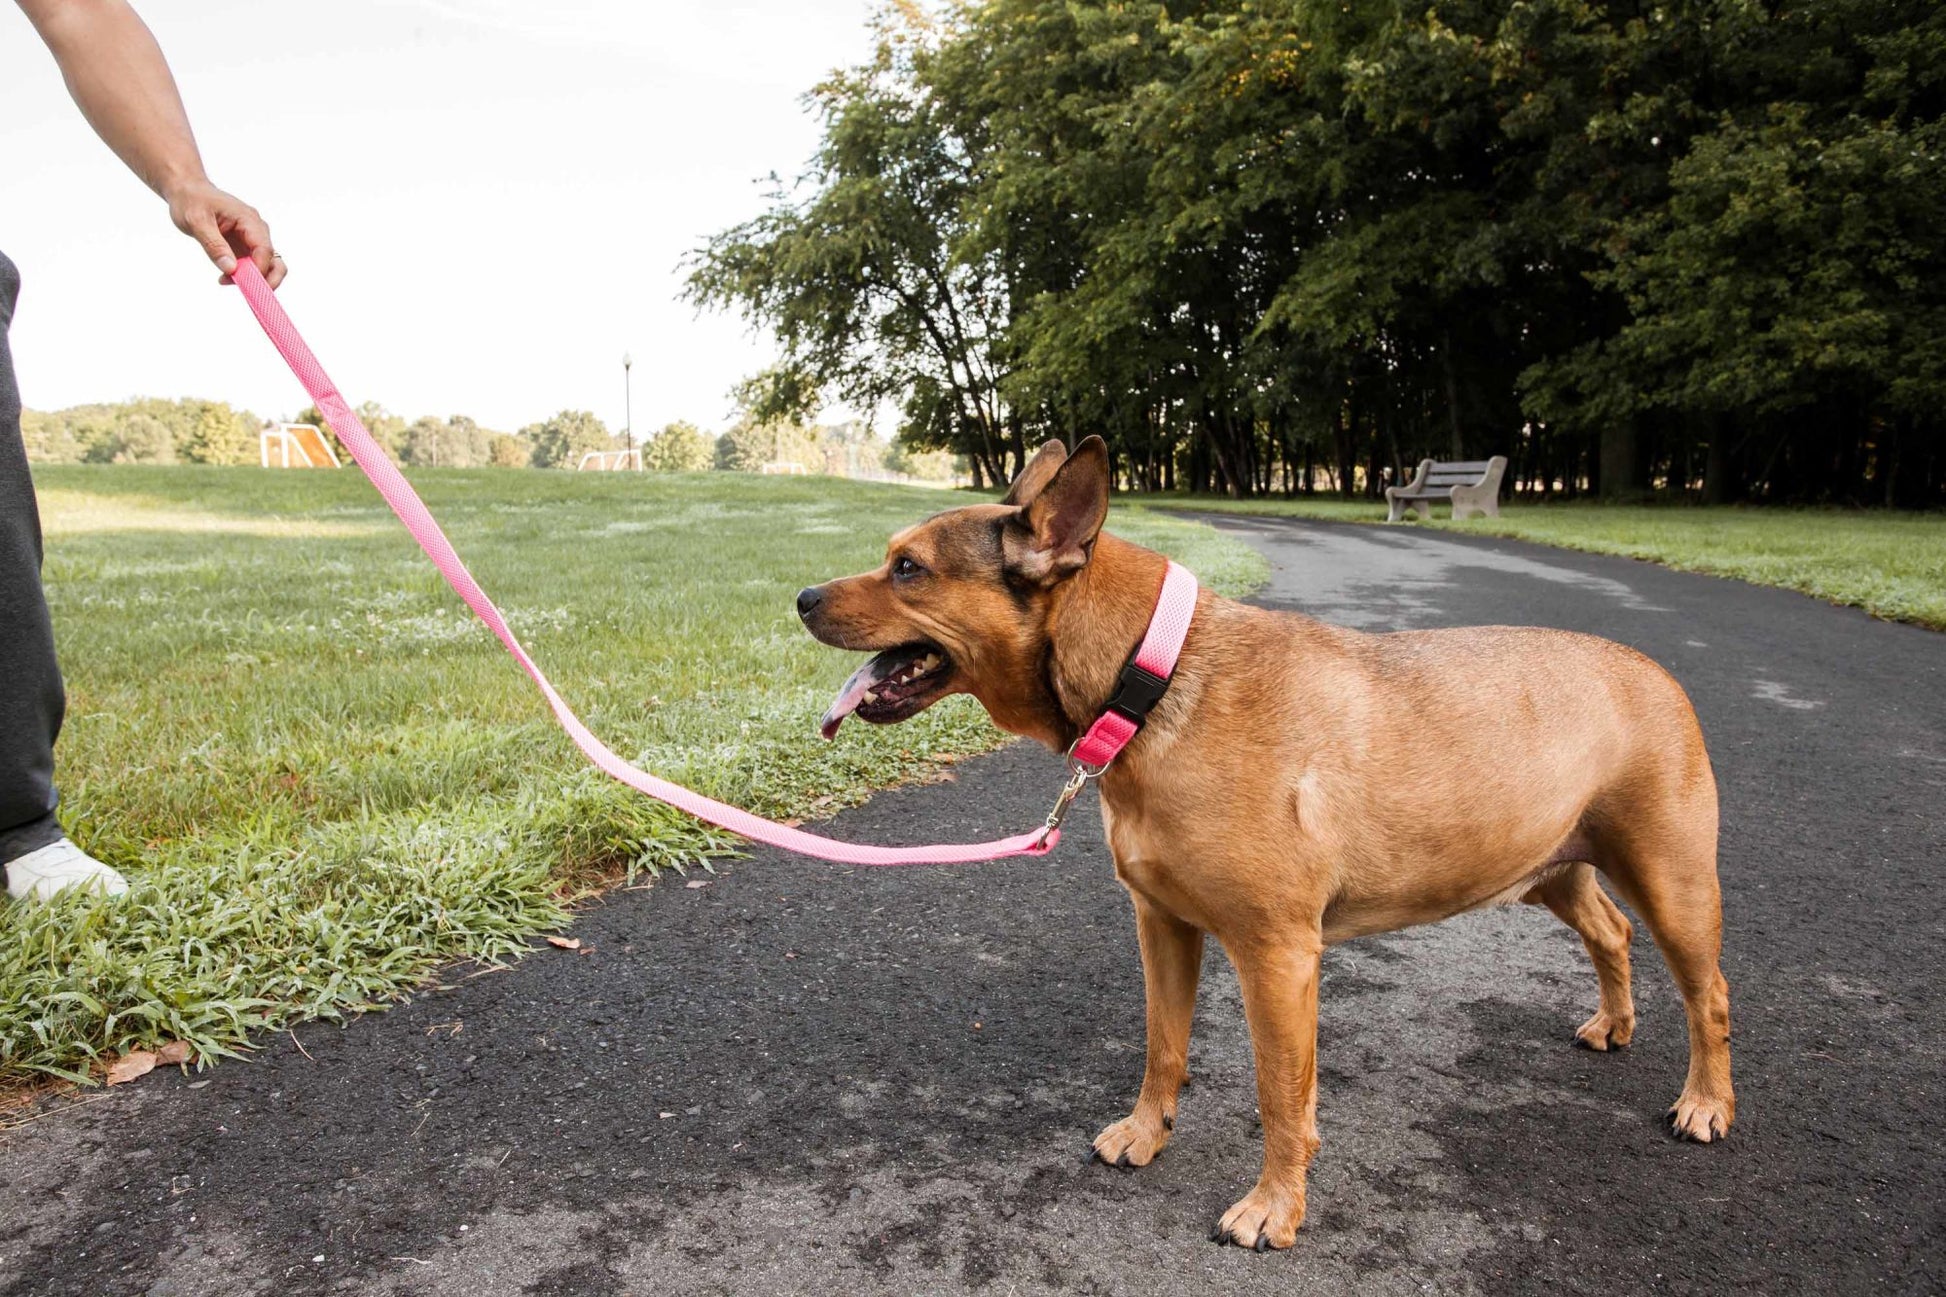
[151,431]
[1689,249]
[157,431]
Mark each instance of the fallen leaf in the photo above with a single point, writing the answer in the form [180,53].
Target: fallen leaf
[587,950]
[565,943]
[695,883]
[665,1115]
[173,1054]
[137,1062]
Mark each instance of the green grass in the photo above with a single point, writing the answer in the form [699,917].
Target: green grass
[324,779]
[1893,565]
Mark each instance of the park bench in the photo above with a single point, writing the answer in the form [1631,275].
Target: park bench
[1472,485]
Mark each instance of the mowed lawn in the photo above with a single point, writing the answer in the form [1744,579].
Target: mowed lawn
[324,778]
[1893,565]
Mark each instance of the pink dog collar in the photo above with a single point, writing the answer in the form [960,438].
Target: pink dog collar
[1146,677]
[1143,682]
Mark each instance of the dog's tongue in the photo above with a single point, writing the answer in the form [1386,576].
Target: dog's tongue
[853,693]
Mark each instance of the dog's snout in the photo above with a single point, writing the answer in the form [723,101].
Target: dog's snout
[808,600]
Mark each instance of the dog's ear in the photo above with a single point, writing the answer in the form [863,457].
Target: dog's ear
[1054,535]
[1038,473]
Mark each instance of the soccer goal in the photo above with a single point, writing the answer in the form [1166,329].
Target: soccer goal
[295,445]
[610,461]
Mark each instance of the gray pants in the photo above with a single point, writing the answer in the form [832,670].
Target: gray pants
[31,699]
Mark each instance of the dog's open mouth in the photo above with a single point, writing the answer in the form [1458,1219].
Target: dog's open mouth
[894,686]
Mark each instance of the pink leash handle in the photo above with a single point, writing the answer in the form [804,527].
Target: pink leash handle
[411,510]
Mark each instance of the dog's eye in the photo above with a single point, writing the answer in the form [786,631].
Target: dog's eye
[904,568]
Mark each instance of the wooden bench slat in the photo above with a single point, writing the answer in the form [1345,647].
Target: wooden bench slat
[1475,466]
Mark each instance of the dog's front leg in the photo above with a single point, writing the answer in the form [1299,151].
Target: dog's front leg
[1280,1000]
[1172,960]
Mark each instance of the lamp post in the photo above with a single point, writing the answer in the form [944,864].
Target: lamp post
[628,411]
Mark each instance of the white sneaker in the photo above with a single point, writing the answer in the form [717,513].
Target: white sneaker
[41,874]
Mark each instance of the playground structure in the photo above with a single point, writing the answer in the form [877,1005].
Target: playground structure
[295,445]
[610,461]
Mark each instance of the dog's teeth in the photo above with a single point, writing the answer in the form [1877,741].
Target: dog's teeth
[928,662]
[870,696]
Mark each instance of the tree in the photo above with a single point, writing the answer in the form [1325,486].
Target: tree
[420,445]
[749,445]
[150,430]
[142,439]
[860,281]
[456,442]
[217,434]
[679,448]
[505,450]
[926,465]
[1273,244]
[560,442]
[49,438]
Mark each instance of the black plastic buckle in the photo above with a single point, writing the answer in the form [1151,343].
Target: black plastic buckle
[1138,692]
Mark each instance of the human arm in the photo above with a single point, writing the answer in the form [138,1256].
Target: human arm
[119,79]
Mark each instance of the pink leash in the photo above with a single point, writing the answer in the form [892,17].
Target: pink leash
[1157,655]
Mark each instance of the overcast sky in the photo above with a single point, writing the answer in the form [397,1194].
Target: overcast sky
[484,203]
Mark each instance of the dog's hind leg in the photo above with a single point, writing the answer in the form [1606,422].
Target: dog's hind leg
[1662,862]
[1578,901]
[1172,961]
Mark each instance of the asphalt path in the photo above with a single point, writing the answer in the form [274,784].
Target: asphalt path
[803,1078]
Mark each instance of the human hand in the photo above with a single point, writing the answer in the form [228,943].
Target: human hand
[227,227]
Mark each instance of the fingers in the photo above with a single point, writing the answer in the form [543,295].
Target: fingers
[228,228]
[198,221]
[249,236]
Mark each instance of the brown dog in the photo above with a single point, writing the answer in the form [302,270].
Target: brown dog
[1276,798]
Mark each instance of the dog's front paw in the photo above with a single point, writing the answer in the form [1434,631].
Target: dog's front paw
[1701,1118]
[1266,1219]
[1133,1141]
[1604,1033]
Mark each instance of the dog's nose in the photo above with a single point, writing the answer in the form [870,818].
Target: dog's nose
[808,600]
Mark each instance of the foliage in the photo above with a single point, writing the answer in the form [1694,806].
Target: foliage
[561,441]
[863,283]
[341,781]
[852,450]
[150,431]
[679,448]
[749,445]
[1281,244]
[505,450]
[455,442]
[925,465]
[220,435]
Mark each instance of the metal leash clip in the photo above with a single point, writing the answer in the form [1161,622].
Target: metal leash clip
[1079,773]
